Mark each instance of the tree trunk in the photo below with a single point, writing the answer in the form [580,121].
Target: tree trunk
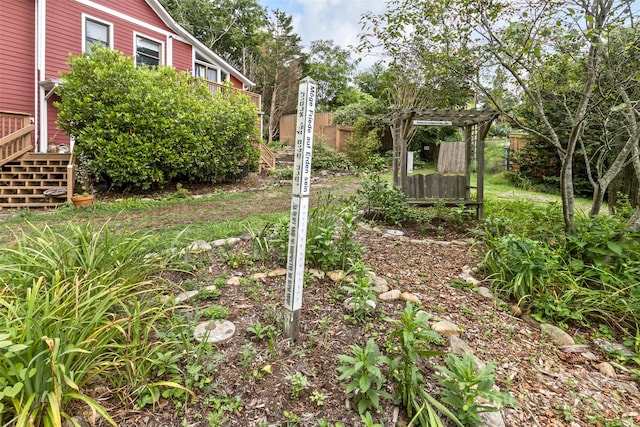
[566,191]
[272,114]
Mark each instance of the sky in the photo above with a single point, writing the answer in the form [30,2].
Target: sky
[337,20]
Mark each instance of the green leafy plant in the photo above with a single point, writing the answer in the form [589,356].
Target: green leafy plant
[464,386]
[318,398]
[298,383]
[366,377]
[361,292]
[383,203]
[408,342]
[261,331]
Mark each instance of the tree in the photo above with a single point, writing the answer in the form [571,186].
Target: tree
[329,65]
[493,34]
[234,29]
[280,69]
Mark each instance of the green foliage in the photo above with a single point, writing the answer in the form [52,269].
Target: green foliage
[465,389]
[362,368]
[409,342]
[362,151]
[142,127]
[298,383]
[587,277]
[77,305]
[330,232]
[361,292]
[326,158]
[330,66]
[382,202]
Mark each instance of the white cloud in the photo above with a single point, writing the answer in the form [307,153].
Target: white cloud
[337,20]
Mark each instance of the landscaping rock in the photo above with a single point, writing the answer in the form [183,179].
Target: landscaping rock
[231,241]
[199,246]
[258,276]
[409,297]
[607,369]
[393,233]
[491,419]
[446,328]
[183,296]
[348,304]
[390,295]
[459,346]
[336,276]
[485,292]
[278,272]
[515,310]
[612,346]
[215,332]
[233,281]
[471,280]
[530,321]
[380,284]
[556,335]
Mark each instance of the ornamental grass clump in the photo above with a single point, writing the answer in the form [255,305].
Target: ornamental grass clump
[76,305]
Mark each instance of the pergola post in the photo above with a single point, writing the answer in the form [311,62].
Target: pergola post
[468,159]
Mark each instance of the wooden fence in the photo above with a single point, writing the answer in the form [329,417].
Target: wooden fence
[334,136]
[451,157]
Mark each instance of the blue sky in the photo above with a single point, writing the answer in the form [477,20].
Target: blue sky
[337,20]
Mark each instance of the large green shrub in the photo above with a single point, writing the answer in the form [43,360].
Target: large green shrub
[143,127]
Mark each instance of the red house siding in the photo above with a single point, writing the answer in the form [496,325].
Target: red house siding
[17,56]
[182,55]
[236,83]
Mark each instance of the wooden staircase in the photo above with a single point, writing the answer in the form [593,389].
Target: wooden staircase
[30,179]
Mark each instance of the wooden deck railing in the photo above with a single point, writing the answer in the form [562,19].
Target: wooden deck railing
[16,137]
[255,98]
[267,158]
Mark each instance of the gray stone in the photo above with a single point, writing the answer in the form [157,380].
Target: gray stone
[606,369]
[459,346]
[380,284]
[613,346]
[446,328]
[589,356]
[409,297]
[470,279]
[183,296]
[485,292]
[466,269]
[556,335]
[390,295]
[258,276]
[394,233]
[199,246]
[215,332]
[491,419]
[348,304]
[231,241]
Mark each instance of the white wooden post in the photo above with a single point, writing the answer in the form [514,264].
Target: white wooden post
[299,207]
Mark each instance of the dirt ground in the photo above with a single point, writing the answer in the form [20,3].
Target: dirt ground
[249,383]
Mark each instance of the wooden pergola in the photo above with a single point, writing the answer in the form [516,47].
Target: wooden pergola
[449,190]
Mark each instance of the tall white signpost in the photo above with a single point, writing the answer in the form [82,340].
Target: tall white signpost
[299,206]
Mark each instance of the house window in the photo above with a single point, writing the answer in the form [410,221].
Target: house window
[147,52]
[96,34]
[209,73]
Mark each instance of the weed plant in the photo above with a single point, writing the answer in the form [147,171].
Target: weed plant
[381,202]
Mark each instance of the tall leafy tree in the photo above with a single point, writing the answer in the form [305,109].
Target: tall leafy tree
[522,38]
[231,28]
[280,69]
[331,68]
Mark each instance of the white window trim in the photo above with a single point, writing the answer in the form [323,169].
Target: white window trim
[144,36]
[218,69]
[86,17]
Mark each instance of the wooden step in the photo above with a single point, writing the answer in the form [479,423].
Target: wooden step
[24,180]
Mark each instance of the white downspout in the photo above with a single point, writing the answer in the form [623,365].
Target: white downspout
[41,102]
